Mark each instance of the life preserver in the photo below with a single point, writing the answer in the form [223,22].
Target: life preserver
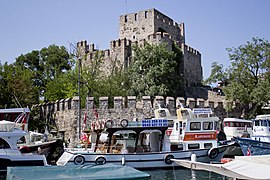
[100,160]
[124,123]
[79,160]
[109,124]
[167,159]
[213,153]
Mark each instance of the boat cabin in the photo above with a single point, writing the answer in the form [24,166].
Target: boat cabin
[261,128]
[194,129]
[234,127]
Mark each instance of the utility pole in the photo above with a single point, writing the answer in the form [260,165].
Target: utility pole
[79,103]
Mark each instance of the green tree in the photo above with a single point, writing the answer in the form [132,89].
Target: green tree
[217,74]
[17,89]
[46,65]
[155,70]
[249,78]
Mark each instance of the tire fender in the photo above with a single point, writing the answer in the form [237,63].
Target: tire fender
[79,160]
[213,153]
[167,159]
[100,160]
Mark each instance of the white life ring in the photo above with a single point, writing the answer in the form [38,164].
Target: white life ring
[124,123]
[79,160]
[109,123]
[100,160]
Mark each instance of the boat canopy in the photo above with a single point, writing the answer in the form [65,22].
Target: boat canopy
[15,110]
[242,167]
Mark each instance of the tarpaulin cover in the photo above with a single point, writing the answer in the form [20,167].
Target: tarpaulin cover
[106,171]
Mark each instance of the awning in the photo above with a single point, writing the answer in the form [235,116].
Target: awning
[242,167]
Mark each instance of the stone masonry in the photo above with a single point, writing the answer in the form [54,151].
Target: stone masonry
[65,112]
[146,26]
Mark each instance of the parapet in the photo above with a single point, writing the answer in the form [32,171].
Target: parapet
[188,49]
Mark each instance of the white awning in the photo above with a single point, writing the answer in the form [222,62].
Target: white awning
[242,167]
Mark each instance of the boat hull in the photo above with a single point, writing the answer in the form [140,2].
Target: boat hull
[253,147]
[141,160]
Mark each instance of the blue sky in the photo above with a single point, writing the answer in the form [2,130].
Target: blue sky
[211,25]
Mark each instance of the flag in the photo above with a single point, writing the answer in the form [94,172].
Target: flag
[23,122]
[248,152]
[95,112]
[84,120]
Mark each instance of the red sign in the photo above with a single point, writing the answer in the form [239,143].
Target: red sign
[199,136]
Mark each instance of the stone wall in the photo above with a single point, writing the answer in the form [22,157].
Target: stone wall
[65,112]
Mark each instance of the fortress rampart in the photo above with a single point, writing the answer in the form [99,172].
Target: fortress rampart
[63,114]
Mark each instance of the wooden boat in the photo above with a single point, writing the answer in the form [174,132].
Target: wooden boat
[152,143]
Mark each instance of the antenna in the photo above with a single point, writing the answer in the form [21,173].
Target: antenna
[126,5]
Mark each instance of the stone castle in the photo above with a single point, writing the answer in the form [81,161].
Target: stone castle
[136,28]
[147,26]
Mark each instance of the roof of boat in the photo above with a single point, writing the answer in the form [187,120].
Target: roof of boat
[263,116]
[236,120]
[15,110]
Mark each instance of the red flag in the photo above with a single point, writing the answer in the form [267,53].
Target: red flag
[95,112]
[248,152]
[85,118]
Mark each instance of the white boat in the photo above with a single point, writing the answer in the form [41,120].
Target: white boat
[234,127]
[152,143]
[32,142]
[259,143]
[261,128]
[9,152]
[242,167]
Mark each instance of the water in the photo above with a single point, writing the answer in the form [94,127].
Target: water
[184,174]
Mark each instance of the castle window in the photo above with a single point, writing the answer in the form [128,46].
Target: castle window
[136,17]
[125,18]
[146,14]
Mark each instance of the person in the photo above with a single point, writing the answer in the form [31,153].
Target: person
[221,136]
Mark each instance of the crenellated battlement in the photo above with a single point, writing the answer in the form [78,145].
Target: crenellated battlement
[120,43]
[186,48]
[65,111]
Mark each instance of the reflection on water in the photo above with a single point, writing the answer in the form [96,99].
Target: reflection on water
[184,174]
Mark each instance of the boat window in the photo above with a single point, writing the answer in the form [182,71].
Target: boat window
[195,126]
[226,124]
[264,122]
[184,126]
[194,146]
[3,144]
[217,126]
[207,145]
[257,123]
[231,124]
[184,112]
[176,124]
[162,113]
[207,125]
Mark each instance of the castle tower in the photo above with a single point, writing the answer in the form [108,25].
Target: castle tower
[137,26]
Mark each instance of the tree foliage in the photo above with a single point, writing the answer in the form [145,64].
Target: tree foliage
[217,74]
[155,71]
[46,65]
[248,76]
